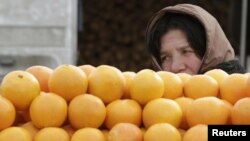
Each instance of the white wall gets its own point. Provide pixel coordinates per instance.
(37, 32)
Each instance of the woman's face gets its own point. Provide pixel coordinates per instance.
(177, 55)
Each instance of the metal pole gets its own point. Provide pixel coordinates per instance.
(243, 33)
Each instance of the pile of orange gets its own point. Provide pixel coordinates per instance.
(84, 103)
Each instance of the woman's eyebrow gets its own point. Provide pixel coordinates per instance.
(183, 47)
(178, 48)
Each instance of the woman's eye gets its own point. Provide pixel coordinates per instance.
(187, 51)
(165, 58)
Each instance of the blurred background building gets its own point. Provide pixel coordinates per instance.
(95, 32)
(37, 32)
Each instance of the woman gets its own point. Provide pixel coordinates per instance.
(186, 38)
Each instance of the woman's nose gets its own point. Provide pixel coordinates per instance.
(177, 65)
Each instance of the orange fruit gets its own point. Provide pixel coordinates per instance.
(131, 112)
(173, 84)
(68, 81)
(207, 110)
(125, 132)
(218, 74)
(129, 76)
(105, 133)
(86, 111)
(248, 85)
(247, 74)
(20, 87)
(88, 134)
(69, 129)
(22, 117)
(48, 110)
(162, 132)
(143, 130)
(15, 134)
(29, 126)
(107, 83)
(7, 113)
(182, 131)
(146, 86)
(52, 134)
(200, 86)
(233, 87)
(184, 77)
(230, 107)
(87, 68)
(241, 111)
(184, 102)
(162, 110)
(198, 132)
(42, 74)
